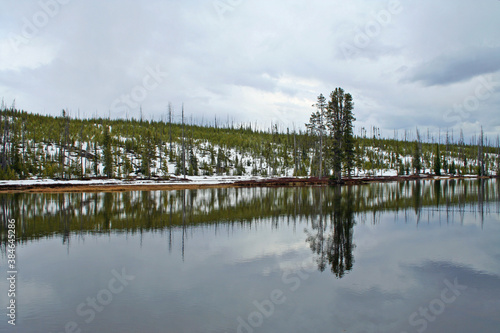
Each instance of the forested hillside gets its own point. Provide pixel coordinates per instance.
(39, 146)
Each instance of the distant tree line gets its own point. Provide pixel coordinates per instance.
(62, 147)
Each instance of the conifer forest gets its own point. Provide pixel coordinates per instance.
(34, 146)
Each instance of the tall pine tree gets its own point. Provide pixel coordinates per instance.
(340, 147)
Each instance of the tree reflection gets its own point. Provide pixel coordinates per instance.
(336, 249)
(329, 211)
(317, 240)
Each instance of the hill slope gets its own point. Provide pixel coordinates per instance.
(36, 146)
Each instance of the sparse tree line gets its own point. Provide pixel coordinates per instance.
(62, 147)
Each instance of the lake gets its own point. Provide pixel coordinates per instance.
(420, 256)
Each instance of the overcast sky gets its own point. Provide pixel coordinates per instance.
(431, 64)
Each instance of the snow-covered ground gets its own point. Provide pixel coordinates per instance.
(193, 180)
(189, 180)
(217, 164)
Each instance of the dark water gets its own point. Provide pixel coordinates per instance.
(396, 257)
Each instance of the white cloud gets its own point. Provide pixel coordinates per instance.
(31, 57)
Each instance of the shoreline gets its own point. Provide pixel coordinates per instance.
(116, 185)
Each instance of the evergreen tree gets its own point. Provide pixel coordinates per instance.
(437, 161)
(64, 143)
(81, 171)
(480, 155)
(317, 127)
(147, 154)
(127, 165)
(171, 149)
(340, 145)
(107, 153)
(193, 163)
(221, 162)
(183, 157)
(401, 167)
(335, 135)
(417, 161)
(164, 167)
(348, 140)
(178, 166)
(452, 170)
(96, 159)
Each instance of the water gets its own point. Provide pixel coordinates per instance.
(395, 257)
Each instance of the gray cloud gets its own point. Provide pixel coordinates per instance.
(453, 68)
(257, 60)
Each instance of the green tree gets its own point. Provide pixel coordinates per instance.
(317, 127)
(340, 146)
(164, 167)
(348, 140)
(96, 159)
(437, 161)
(417, 161)
(107, 153)
(147, 154)
(193, 163)
(127, 165)
(453, 169)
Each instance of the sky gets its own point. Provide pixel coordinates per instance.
(434, 65)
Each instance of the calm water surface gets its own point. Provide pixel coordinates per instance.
(396, 257)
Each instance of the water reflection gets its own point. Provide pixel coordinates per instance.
(331, 235)
(356, 259)
(330, 212)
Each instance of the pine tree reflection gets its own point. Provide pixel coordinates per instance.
(329, 211)
(336, 249)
